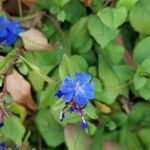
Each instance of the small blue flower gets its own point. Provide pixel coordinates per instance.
(81, 89)
(83, 124)
(59, 94)
(2, 145)
(9, 31)
(1, 124)
(3, 27)
(61, 116)
(77, 93)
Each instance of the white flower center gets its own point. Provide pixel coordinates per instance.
(78, 88)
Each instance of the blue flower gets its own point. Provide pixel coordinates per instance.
(83, 124)
(9, 31)
(81, 89)
(1, 124)
(3, 27)
(77, 93)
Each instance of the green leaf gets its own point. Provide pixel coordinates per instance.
(111, 125)
(145, 66)
(81, 62)
(48, 97)
(53, 6)
(79, 37)
(98, 139)
(139, 16)
(70, 117)
(111, 83)
(51, 132)
(140, 115)
(128, 4)
(76, 139)
(129, 140)
(5, 62)
(19, 110)
(74, 11)
(142, 50)
(62, 2)
(144, 91)
(139, 82)
(114, 53)
(100, 32)
(142, 80)
(36, 81)
(97, 87)
(92, 70)
(67, 67)
(96, 5)
(13, 129)
(90, 110)
(145, 136)
(133, 134)
(37, 70)
(124, 72)
(113, 17)
(1, 81)
(119, 118)
(90, 57)
(61, 16)
(22, 68)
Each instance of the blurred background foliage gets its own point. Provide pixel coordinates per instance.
(108, 39)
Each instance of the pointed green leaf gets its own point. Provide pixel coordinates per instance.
(100, 32)
(113, 17)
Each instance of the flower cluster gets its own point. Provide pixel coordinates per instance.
(9, 31)
(77, 93)
(4, 147)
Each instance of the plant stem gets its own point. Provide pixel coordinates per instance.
(20, 8)
(60, 31)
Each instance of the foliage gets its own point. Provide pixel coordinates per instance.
(108, 39)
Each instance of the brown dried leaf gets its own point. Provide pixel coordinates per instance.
(128, 58)
(124, 104)
(29, 3)
(12, 8)
(119, 39)
(87, 3)
(20, 90)
(34, 40)
(109, 145)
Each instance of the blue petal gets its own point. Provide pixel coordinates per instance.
(81, 99)
(72, 109)
(2, 39)
(82, 78)
(3, 32)
(68, 96)
(10, 39)
(83, 125)
(59, 94)
(88, 86)
(13, 27)
(3, 146)
(67, 85)
(89, 94)
(89, 90)
(3, 21)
